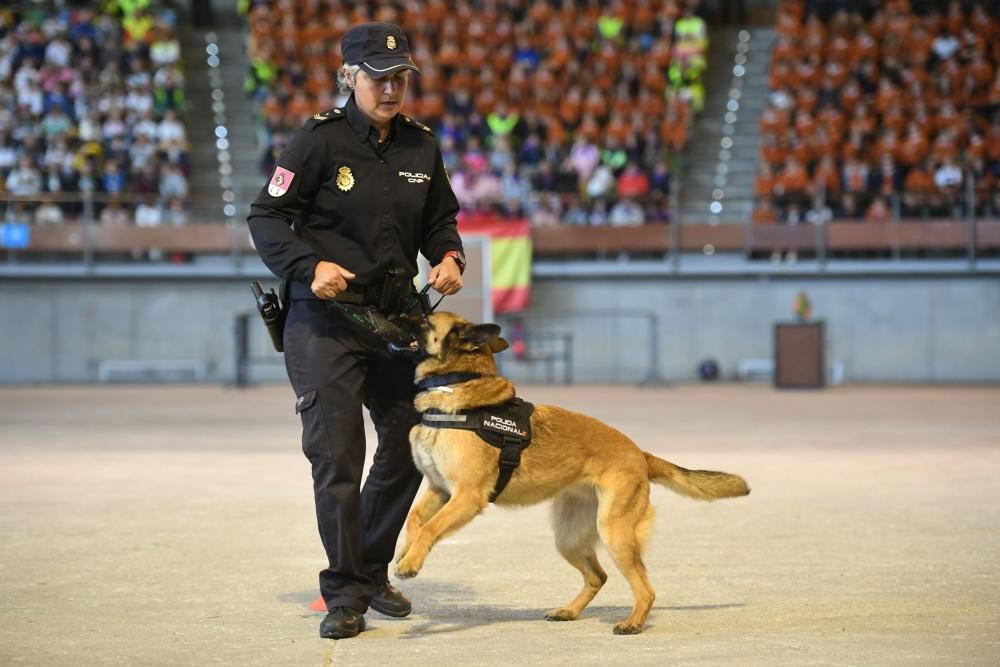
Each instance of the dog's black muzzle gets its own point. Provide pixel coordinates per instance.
(414, 327)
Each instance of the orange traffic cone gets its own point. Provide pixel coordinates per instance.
(319, 604)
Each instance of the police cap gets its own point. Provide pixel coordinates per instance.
(379, 48)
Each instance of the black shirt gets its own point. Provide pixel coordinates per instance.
(363, 205)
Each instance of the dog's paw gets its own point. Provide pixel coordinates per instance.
(560, 615)
(406, 569)
(625, 628)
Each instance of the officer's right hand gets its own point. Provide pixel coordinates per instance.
(329, 280)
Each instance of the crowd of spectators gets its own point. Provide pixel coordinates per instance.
(560, 111)
(880, 109)
(91, 108)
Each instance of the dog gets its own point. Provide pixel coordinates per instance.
(597, 478)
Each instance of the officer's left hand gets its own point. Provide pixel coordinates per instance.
(446, 277)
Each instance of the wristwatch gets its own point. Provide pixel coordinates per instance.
(459, 258)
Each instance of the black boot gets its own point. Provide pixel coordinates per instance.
(341, 623)
(386, 599)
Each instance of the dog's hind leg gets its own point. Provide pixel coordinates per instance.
(423, 510)
(625, 518)
(463, 506)
(574, 520)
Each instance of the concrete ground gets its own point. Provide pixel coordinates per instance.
(174, 526)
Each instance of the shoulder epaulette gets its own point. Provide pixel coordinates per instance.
(415, 123)
(320, 118)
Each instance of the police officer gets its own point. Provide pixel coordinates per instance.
(356, 194)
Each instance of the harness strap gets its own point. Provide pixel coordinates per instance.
(510, 459)
(510, 442)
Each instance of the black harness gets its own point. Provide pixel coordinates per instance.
(506, 426)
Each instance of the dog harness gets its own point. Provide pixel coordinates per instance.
(506, 426)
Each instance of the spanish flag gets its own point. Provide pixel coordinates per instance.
(510, 257)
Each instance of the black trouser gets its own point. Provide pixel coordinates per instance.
(335, 367)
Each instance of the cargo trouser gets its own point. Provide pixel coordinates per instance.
(335, 368)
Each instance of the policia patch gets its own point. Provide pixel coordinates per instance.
(506, 426)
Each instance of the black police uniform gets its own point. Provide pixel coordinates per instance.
(369, 207)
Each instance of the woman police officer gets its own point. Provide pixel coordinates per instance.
(366, 189)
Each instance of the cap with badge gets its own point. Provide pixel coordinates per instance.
(379, 48)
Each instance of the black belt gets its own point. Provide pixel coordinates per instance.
(358, 295)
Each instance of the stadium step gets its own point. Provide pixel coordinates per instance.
(242, 123)
(205, 199)
(702, 173)
(206, 184)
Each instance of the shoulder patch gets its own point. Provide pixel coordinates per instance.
(322, 117)
(415, 123)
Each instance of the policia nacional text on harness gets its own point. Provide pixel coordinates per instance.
(506, 426)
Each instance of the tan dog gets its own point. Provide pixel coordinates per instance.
(597, 478)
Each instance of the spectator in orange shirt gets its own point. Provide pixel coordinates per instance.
(299, 108)
(855, 177)
(793, 182)
(773, 121)
(763, 212)
(887, 144)
(945, 146)
(805, 124)
(772, 150)
(786, 50)
(917, 187)
(826, 177)
(650, 105)
(595, 104)
(798, 149)
(886, 179)
(878, 211)
(782, 77)
(764, 183)
(806, 99)
(833, 120)
(862, 121)
(864, 48)
(993, 139)
(617, 129)
(850, 95)
(815, 35)
(913, 148)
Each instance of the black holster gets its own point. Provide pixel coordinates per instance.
(270, 308)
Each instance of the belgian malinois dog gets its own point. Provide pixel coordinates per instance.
(597, 478)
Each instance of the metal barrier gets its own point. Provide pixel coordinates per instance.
(552, 321)
(540, 348)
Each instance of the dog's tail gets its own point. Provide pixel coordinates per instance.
(697, 484)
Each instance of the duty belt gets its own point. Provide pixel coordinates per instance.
(506, 426)
(356, 295)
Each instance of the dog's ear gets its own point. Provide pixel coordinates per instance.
(498, 344)
(476, 336)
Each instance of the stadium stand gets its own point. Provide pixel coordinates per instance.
(561, 112)
(92, 112)
(525, 97)
(881, 110)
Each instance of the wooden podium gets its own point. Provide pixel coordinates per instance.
(798, 355)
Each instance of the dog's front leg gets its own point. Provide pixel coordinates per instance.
(429, 504)
(460, 510)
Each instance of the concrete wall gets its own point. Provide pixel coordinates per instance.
(885, 329)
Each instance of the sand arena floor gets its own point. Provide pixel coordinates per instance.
(174, 526)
